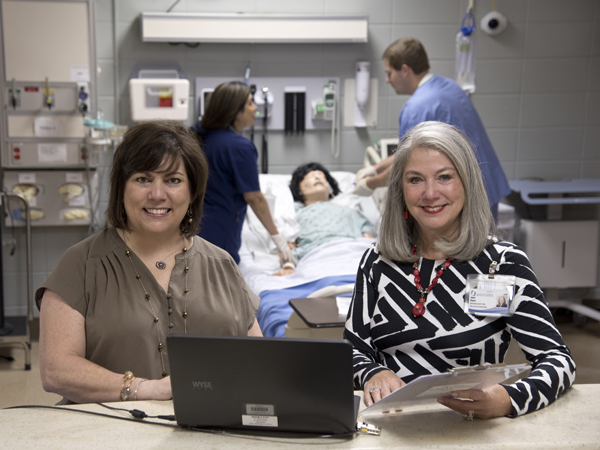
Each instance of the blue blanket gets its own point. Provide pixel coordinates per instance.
(275, 310)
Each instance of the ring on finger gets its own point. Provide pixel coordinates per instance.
(372, 388)
(470, 414)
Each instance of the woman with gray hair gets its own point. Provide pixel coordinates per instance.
(420, 306)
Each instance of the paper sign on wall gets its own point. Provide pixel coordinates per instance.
(80, 74)
(47, 127)
(74, 177)
(52, 153)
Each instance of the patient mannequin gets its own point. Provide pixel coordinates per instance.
(320, 220)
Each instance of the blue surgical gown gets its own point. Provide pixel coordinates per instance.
(442, 99)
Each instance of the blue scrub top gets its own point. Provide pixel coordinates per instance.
(232, 160)
(442, 99)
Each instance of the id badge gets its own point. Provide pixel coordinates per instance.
(490, 295)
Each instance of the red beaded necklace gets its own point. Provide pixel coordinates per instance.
(419, 309)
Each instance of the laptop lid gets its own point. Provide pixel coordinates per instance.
(250, 383)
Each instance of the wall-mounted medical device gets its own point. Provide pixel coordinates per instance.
(47, 86)
(295, 109)
(324, 108)
(158, 91)
(264, 94)
(280, 94)
(360, 98)
(494, 23)
(361, 92)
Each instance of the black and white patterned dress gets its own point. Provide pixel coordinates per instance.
(385, 334)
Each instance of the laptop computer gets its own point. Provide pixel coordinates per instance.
(251, 383)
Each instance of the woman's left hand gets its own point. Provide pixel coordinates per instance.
(485, 404)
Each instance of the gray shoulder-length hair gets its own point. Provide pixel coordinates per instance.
(398, 235)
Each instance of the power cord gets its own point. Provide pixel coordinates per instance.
(139, 417)
(138, 414)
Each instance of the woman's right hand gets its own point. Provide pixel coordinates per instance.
(285, 252)
(154, 389)
(381, 385)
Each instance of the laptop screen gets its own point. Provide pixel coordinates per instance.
(253, 383)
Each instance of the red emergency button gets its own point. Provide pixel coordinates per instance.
(16, 149)
(17, 157)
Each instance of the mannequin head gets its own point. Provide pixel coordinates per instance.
(313, 183)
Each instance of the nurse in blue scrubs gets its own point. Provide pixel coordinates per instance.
(233, 180)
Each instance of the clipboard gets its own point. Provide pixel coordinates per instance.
(426, 389)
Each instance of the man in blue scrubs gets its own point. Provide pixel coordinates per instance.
(433, 97)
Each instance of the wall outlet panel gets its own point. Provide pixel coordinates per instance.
(314, 90)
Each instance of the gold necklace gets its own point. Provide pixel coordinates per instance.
(159, 263)
(170, 309)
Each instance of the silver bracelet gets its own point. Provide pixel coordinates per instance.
(136, 388)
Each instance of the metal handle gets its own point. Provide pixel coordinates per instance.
(29, 257)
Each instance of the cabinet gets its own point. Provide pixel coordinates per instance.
(563, 254)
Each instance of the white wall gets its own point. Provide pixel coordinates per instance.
(538, 84)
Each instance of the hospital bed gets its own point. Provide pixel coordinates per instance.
(331, 264)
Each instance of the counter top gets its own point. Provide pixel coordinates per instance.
(572, 421)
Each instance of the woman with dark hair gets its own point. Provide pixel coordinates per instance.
(320, 220)
(414, 309)
(233, 182)
(113, 298)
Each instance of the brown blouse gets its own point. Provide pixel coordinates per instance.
(96, 278)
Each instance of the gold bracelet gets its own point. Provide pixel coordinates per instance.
(126, 390)
(136, 388)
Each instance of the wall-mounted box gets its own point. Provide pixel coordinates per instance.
(158, 90)
(253, 28)
(147, 98)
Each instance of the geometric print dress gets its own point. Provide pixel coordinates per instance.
(385, 335)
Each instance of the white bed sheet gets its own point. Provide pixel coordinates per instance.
(335, 258)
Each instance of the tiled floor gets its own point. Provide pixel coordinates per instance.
(21, 387)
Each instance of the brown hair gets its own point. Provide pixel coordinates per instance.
(227, 100)
(145, 148)
(407, 51)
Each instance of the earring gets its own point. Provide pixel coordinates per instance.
(190, 214)
(406, 214)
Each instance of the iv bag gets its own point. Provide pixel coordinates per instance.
(464, 71)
